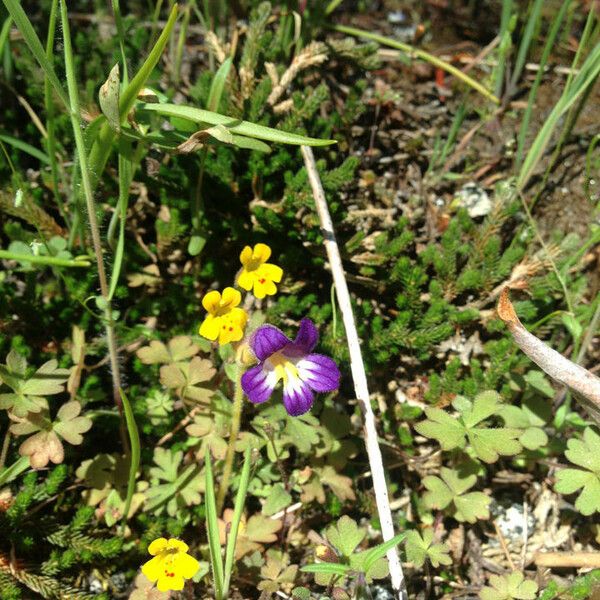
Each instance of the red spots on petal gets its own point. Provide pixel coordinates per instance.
(262, 280)
(231, 329)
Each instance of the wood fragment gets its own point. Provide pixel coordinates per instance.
(578, 560)
(554, 364)
(358, 372)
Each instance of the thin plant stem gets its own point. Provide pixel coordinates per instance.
(421, 54)
(51, 261)
(540, 239)
(92, 218)
(359, 376)
(50, 111)
(236, 417)
(4, 451)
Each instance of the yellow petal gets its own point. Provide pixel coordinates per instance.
(232, 333)
(246, 255)
(272, 272)
(178, 545)
(264, 287)
(261, 253)
(185, 565)
(239, 316)
(210, 328)
(231, 297)
(153, 568)
(164, 584)
(211, 301)
(158, 545)
(246, 279)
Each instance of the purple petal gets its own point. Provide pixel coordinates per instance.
(307, 337)
(297, 397)
(320, 372)
(256, 385)
(266, 340)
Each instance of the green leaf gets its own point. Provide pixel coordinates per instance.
(277, 500)
(488, 443)
(326, 568)
(538, 380)
(245, 128)
(584, 453)
(171, 487)
(134, 463)
(69, 425)
(449, 492)
(447, 430)
(108, 96)
(509, 587)
(46, 381)
(419, 549)
(345, 535)
(178, 349)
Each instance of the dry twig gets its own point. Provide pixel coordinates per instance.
(553, 363)
(358, 371)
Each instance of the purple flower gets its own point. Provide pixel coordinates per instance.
(302, 371)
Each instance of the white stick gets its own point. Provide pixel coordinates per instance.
(358, 372)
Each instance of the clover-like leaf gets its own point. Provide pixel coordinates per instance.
(70, 425)
(160, 406)
(509, 587)
(449, 492)
(583, 453)
(530, 418)
(106, 477)
(212, 429)
(171, 486)
(252, 534)
(345, 535)
(421, 548)
(319, 476)
(185, 377)
(179, 349)
(45, 445)
(28, 392)
(488, 443)
(277, 573)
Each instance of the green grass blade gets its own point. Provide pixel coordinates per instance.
(373, 555)
(33, 42)
(212, 529)
(238, 509)
(504, 47)
(25, 147)
(245, 128)
(586, 77)
(121, 33)
(326, 568)
(50, 114)
(125, 177)
(557, 22)
(102, 145)
(532, 22)
(217, 86)
(4, 34)
(51, 261)
(421, 54)
(134, 439)
(10, 473)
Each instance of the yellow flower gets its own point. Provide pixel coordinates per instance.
(224, 320)
(171, 564)
(257, 273)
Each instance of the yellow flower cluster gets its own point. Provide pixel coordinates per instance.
(171, 564)
(225, 321)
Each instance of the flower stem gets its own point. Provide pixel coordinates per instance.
(236, 417)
